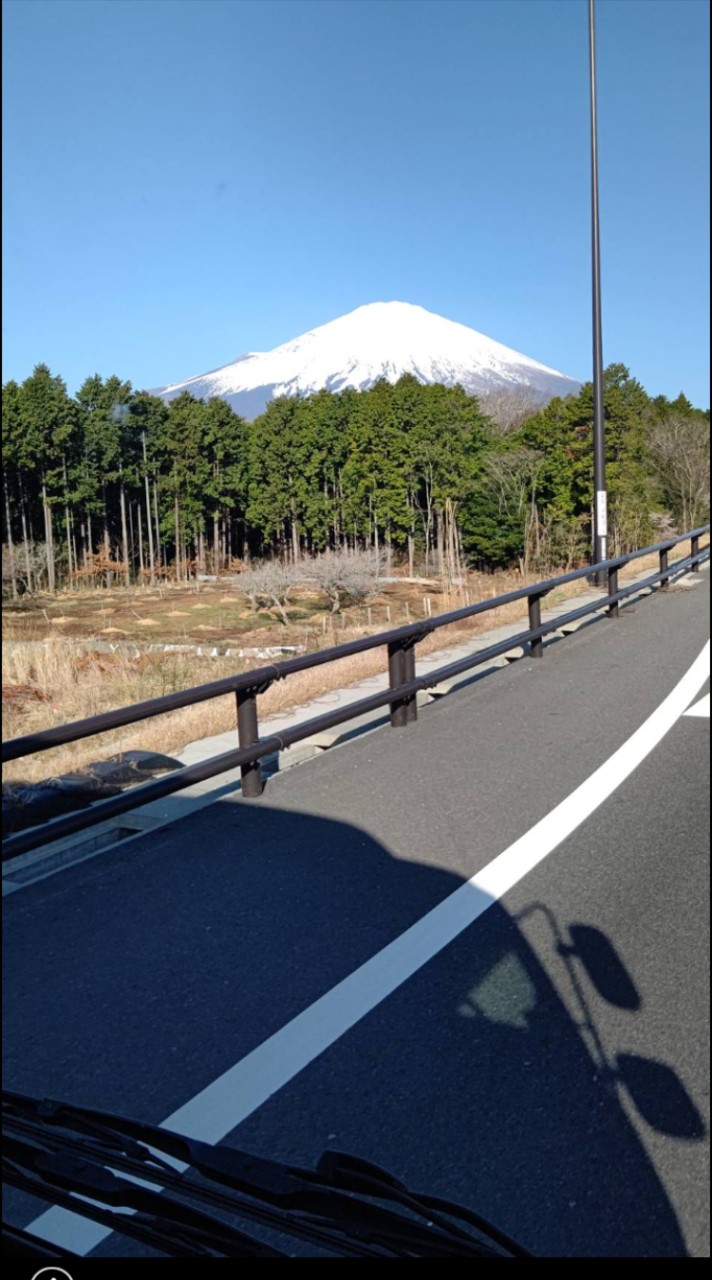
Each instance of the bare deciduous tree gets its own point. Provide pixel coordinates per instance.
(514, 477)
(28, 567)
(680, 445)
(346, 575)
(553, 544)
(509, 408)
(269, 582)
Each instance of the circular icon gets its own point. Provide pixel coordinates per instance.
(51, 1273)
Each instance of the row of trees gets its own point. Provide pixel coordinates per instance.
(114, 483)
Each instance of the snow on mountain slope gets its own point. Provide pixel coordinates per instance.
(381, 340)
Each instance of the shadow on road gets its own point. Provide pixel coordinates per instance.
(134, 980)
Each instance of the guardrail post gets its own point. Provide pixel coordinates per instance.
(536, 646)
(695, 551)
(663, 565)
(248, 734)
(396, 677)
(613, 609)
(411, 703)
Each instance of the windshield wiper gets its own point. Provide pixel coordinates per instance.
(184, 1197)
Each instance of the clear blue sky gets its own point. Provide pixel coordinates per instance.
(185, 181)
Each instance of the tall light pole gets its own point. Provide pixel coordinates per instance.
(600, 504)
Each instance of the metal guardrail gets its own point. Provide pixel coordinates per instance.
(400, 696)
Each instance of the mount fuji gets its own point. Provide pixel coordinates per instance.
(380, 340)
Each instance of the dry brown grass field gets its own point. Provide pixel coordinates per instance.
(50, 678)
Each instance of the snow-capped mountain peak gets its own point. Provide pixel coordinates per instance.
(380, 340)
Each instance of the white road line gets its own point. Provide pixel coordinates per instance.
(701, 708)
(230, 1099)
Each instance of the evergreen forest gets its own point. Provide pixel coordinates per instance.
(114, 485)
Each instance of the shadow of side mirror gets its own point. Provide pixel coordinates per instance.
(660, 1097)
(603, 966)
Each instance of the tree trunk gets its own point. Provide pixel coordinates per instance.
(124, 536)
(67, 521)
(49, 540)
(73, 528)
(142, 576)
(439, 541)
(450, 540)
(280, 610)
(149, 530)
(176, 522)
(216, 543)
(411, 536)
(10, 543)
(158, 527)
(26, 543)
(132, 539)
(428, 529)
(339, 537)
(201, 550)
(107, 541)
(68, 532)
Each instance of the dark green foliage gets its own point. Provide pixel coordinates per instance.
(114, 481)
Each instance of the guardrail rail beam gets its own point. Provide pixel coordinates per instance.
(400, 695)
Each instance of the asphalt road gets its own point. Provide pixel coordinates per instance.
(548, 1066)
